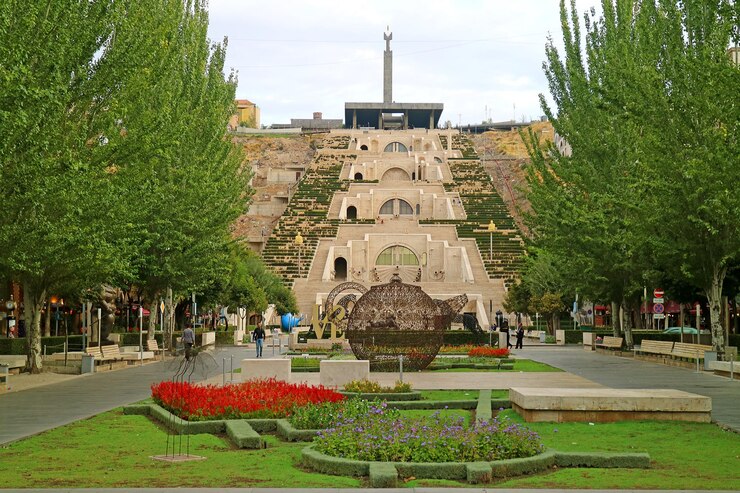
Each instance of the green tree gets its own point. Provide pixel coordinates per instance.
(112, 148)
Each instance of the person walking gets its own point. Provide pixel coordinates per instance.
(259, 338)
(519, 336)
(188, 340)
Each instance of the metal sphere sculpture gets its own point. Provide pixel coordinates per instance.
(397, 319)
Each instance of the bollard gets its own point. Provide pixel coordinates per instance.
(232, 369)
(732, 369)
(223, 371)
(400, 367)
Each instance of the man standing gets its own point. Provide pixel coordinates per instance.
(519, 336)
(259, 338)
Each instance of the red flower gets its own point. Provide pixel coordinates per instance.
(489, 352)
(251, 399)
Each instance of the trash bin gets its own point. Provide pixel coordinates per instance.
(543, 335)
(88, 364)
(709, 356)
(4, 375)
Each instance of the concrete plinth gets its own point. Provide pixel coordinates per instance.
(337, 373)
(609, 405)
(279, 369)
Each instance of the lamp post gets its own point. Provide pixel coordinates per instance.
(491, 229)
(299, 243)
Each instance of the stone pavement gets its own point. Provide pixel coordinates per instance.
(34, 410)
(628, 373)
(343, 490)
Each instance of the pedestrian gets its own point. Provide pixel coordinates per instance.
(188, 340)
(519, 336)
(259, 338)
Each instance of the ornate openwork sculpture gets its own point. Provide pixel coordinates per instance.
(398, 319)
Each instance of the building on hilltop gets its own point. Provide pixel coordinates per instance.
(390, 115)
(247, 115)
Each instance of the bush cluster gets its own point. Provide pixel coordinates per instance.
(366, 386)
(325, 414)
(384, 434)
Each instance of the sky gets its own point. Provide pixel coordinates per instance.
(481, 58)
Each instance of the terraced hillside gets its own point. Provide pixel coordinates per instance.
(483, 204)
(306, 214)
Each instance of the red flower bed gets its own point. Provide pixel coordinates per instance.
(489, 352)
(251, 399)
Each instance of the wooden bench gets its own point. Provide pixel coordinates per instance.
(663, 348)
(610, 342)
(112, 352)
(95, 352)
(685, 350)
(153, 346)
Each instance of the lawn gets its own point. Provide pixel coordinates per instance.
(525, 365)
(112, 450)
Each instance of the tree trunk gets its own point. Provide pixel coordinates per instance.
(33, 302)
(714, 297)
(626, 324)
(47, 318)
(170, 322)
(153, 313)
(615, 319)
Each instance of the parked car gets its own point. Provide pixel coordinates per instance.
(686, 330)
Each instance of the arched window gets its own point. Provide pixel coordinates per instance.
(437, 159)
(363, 147)
(340, 269)
(395, 147)
(358, 176)
(396, 174)
(352, 212)
(404, 208)
(397, 255)
(387, 207)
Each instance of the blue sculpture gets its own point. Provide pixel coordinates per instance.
(289, 321)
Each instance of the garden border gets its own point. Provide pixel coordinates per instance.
(414, 395)
(474, 472)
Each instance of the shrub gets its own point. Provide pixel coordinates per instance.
(385, 435)
(326, 414)
(366, 386)
(488, 352)
(250, 399)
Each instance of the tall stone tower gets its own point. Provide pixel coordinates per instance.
(388, 67)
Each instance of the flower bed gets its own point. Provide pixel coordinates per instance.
(488, 352)
(461, 349)
(384, 435)
(251, 399)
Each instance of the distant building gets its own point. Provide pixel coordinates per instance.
(316, 123)
(247, 115)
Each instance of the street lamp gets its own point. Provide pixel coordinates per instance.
(491, 229)
(299, 243)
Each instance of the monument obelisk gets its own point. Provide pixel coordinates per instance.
(388, 67)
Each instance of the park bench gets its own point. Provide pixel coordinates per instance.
(95, 352)
(662, 348)
(610, 342)
(153, 346)
(685, 350)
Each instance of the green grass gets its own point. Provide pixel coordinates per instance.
(445, 413)
(112, 450)
(449, 395)
(684, 456)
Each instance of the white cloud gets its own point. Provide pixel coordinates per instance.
(295, 57)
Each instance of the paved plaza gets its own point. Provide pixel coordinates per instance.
(31, 411)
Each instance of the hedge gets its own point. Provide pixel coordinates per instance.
(459, 404)
(287, 432)
(242, 434)
(54, 344)
(462, 337)
(414, 395)
(472, 471)
(383, 475)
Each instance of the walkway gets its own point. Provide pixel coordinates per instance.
(34, 410)
(627, 373)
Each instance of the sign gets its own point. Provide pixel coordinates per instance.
(658, 300)
(658, 293)
(161, 306)
(658, 316)
(658, 308)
